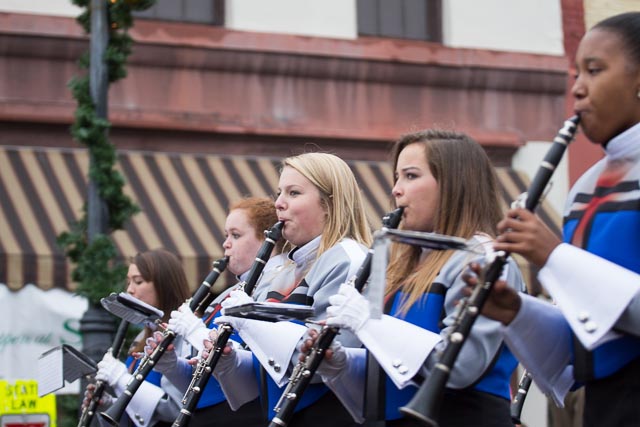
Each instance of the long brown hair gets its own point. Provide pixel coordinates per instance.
(467, 204)
(164, 270)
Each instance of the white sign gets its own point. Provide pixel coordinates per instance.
(33, 321)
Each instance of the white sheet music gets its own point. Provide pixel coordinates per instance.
(50, 371)
(136, 302)
(131, 309)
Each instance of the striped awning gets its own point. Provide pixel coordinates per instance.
(183, 197)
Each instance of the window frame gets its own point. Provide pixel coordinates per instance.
(432, 21)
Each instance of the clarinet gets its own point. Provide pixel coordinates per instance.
(304, 371)
(205, 367)
(518, 400)
(205, 293)
(116, 348)
(425, 404)
(115, 411)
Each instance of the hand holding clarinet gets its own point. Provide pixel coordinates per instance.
(157, 346)
(95, 395)
(521, 232)
(313, 354)
(350, 310)
(207, 364)
(503, 302)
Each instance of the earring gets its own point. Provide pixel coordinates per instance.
(638, 94)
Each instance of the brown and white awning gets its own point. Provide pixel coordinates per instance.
(183, 198)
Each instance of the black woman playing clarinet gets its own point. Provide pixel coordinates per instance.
(591, 337)
(446, 184)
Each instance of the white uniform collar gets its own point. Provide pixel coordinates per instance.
(625, 145)
(303, 253)
(242, 277)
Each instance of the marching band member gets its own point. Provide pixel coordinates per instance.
(157, 278)
(592, 276)
(320, 204)
(244, 231)
(446, 184)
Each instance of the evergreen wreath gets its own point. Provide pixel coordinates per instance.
(96, 270)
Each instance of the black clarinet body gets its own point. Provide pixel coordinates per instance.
(518, 400)
(88, 412)
(114, 413)
(205, 294)
(425, 404)
(304, 371)
(205, 367)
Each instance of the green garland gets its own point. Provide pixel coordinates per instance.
(96, 272)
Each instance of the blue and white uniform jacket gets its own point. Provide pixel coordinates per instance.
(182, 374)
(594, 286)
(407, 345)
(303, 279)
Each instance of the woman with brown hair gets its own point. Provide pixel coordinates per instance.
(157, 278)
(447, 185)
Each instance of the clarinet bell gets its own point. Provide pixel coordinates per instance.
(113, 414)
(417, 410)
(424, 406)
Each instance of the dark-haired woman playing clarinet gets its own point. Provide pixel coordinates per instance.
(446, 184)
(157, 278)
(592, 276)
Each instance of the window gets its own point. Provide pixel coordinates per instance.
(406, 19)
(197, 11)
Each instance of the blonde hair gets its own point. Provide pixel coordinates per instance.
(467, 204)
(339, 195)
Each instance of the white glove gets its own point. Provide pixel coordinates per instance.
(236, 323)
(183, 322)
(168, 360)
(348, 309)
(111, 370)
(237, 297)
